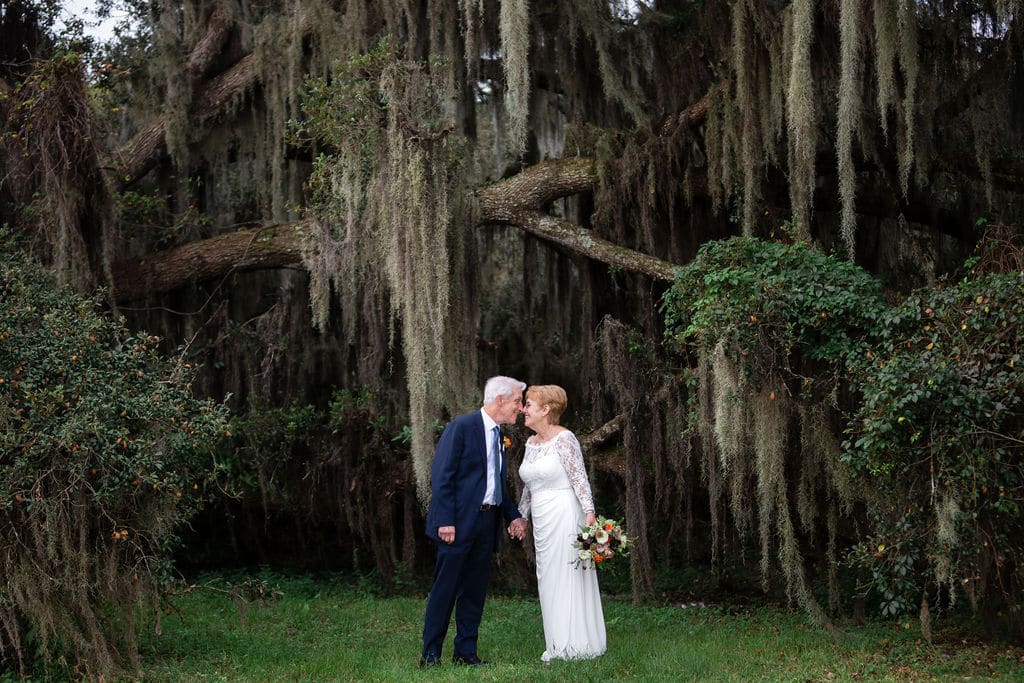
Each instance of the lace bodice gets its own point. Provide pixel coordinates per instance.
(555, 464)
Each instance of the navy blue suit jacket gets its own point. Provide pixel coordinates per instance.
(459, 478)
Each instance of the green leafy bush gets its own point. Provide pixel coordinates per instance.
(926, 396)
(939, 432)
(767, 300)
(772, 326)
(103, 452)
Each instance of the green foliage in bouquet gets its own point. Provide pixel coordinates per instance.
(103, 452)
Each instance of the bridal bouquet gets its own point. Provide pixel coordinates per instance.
(599, 543)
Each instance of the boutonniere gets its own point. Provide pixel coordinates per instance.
(506, 442)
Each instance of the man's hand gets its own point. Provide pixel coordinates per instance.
(517, 529)
(446, 534)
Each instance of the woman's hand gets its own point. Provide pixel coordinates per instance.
(591, 519)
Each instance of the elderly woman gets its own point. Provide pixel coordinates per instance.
(557, 496)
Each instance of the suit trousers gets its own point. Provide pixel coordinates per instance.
(460, 583)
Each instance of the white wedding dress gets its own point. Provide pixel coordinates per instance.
(555, 495)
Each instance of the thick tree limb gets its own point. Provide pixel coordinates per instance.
(208, 48)
(534, 188)
(136, 157)
(580, 241)
(518, 201)
(609, 429)
(693, 115)
(141, 153)
(278, 246)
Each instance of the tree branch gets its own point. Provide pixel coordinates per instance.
(140, 154)
(535, 187)
(582, 242)
(588, 442)
(615, 462)
(277, 246)
(694, 115)
(208, 48)
(518, 201)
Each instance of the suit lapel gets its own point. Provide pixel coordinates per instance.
(481, 440)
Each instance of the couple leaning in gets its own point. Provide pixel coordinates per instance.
(470, 508)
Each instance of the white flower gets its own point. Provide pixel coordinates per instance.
(584, 555)
(601, 536)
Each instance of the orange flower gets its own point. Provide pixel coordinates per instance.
(608, 526)
(598, 559)
(507, 441)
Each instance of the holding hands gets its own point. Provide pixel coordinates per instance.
(517, 529)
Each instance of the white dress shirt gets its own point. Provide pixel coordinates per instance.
(492, 453)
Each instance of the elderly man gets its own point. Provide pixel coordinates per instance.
(468, 501)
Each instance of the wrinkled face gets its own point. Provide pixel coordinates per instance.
(506, 410)
(534, 414)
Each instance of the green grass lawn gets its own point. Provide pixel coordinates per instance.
(320, 632)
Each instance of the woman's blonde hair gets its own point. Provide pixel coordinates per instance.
(550, 395)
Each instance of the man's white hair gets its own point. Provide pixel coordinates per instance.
(501, 386)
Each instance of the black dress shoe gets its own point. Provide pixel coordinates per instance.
(429, 661)
(469, 660)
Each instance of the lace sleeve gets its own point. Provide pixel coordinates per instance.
(569, 452)
(524, 501)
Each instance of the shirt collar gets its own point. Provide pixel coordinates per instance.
(489, 423)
